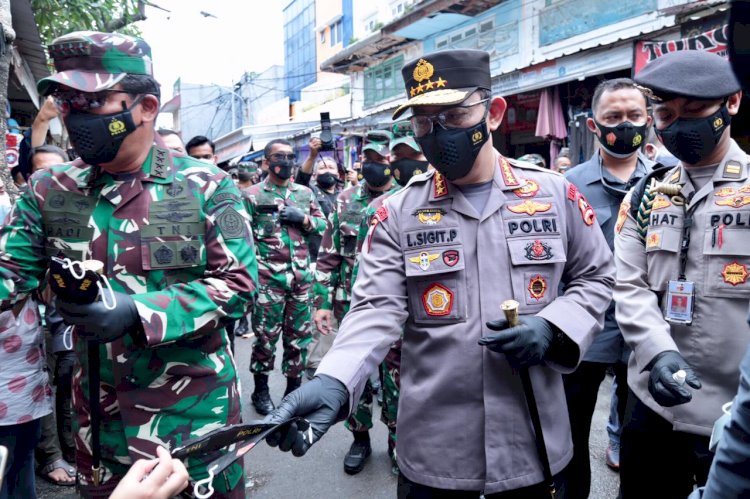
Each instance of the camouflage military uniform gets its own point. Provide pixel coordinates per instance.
(175, 236)
(333, 275)
(283, 306)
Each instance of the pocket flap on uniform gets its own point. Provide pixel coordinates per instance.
(663, 239)
(536, 251)
(158, 254)
(726, 242)
(430, 261)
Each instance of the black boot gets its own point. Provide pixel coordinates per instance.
(261, 398)
(292, 384)
(355, 459)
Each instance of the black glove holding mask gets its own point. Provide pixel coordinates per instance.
(322, 402)
(666, 390)
(96, 322)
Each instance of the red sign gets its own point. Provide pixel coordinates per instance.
(715, 40)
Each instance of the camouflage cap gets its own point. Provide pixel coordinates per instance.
(90, 61)
(377, 141)
(403, 134)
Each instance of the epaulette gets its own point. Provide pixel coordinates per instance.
(422, 177)
(531, 166)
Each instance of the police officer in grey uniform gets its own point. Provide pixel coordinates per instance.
(682, 251)
(441, 256)
(621, 124)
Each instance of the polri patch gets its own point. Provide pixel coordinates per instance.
(538, 250)
(530, 207)
(735, 273)
(381, 215)
(231, 224)
(437, 300)
(429, 216)
(537, 287)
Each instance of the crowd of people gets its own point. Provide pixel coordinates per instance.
(136, 264)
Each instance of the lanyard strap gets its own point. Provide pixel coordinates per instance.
(687, 224)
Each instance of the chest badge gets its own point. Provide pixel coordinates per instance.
(537, 287)
(437, 300)
(530, 207)
(538, 251)
(735, 202)
(660, 203)
(735, 273)
(429, 216)
(450, 257)
(527, 190)
(424, 259)
(727, 191)
(653, 240)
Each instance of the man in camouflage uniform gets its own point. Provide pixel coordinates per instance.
(173, 236)
(283, 216)
(333, 275)
(407, 161)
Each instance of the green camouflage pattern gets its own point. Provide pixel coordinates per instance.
(339, 250)
(284, 304)
(175, 236)
(361, 418)
(91, 61)
(390, 376)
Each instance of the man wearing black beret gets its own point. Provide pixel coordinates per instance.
(682, 251)
(441, 256)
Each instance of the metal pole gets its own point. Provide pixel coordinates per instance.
(234, 124)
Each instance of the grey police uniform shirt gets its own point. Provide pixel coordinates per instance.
(431, 267)
(609, 346)
(717, 262)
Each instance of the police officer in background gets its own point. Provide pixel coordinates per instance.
(621, 124)
(441, 256)
(682, 256)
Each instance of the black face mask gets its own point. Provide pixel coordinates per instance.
(376, 174)
(327, 180)
(453, 151)
(691, 140)
(97, 137)
(282, 169)
(622, 140)
(407, 168)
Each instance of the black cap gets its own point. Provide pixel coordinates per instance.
(695, 74)
(444, 78)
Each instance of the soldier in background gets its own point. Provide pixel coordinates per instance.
(177, 251)
(682, 254)
(283, 216)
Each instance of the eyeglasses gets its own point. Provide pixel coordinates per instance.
(454, 117)
(278, 156)
(65, 100)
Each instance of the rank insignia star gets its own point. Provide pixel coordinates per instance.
(424, 259)
(530, 207)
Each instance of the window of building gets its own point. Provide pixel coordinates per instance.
(337, 32)
(384, 81)
(323, 36)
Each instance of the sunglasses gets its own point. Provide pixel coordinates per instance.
(67, 100)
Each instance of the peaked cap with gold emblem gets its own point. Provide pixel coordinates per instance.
(444, 78)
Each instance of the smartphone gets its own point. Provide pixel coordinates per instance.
(3, 463)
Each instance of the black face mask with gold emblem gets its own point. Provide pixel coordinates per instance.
(97, 137)
(452, 151)
(691, 140)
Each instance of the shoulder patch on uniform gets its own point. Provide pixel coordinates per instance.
(572, 192)
(622, 215)
(231, 224)
(732, 170)
(509, 178)
(223, 196)
(440, 186)
(381, 215)
(160, 162)
(587, 212)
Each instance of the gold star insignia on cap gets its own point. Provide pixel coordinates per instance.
(441, 82)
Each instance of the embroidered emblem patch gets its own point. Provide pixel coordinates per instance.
(587, 212)
(735, 273)
(653, 240)
(57, 201)
(530, 207)
(424, 259)
(163, 255)
(538, 250)
(437, 300)
(174, 190)
(622, 215)
(440, 187)
(508, 176)
(735, 202)
(429, 216)
(189, 254)
(660, 203)
(528, 190)
(745, 189)
(381, 215)
(572, 192)
(450, 257)
(231, 223)
(727, 191)
(537, 287)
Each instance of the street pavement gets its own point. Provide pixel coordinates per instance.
(320, 473)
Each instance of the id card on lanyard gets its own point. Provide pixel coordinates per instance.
(679, 301)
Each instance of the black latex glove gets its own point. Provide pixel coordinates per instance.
(524, 344)
(661, 384)
(95, 322)
(318, 401)
(291, 215)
